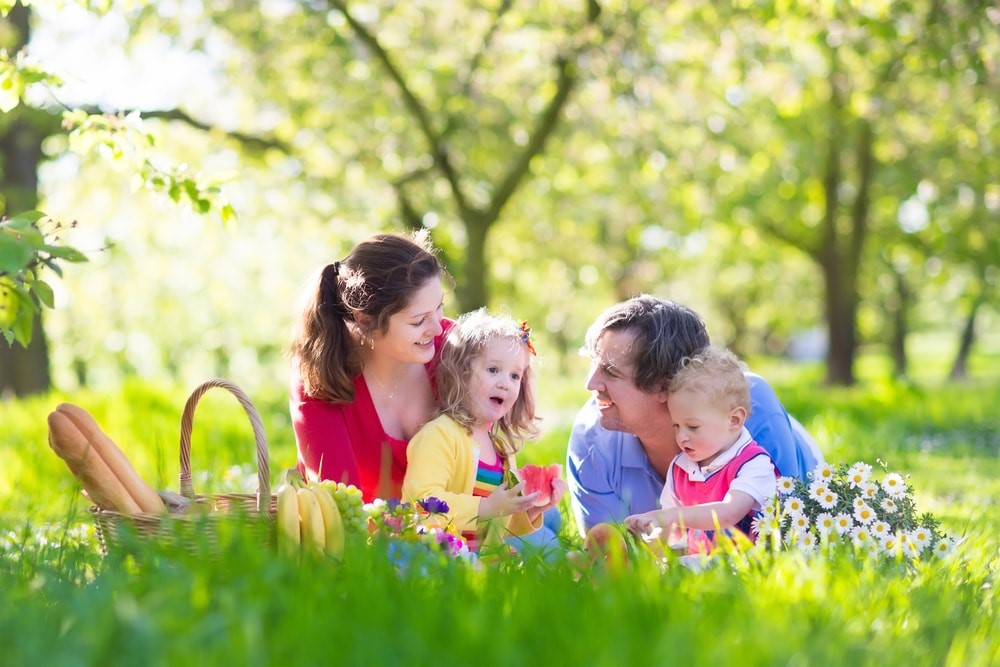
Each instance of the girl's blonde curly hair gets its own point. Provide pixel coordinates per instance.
(465, 341)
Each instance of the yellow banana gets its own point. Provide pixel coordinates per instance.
(332, 522)
(311, 521)
(288, 520)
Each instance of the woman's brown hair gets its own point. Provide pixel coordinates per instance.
(360, 292)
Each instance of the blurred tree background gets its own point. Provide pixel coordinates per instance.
(784, 168)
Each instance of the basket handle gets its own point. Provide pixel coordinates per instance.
(187, 424)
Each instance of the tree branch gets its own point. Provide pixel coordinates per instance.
(248, 140)
(419, 111)
(547, 123)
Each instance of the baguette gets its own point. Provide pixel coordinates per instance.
(100, 483)
(143, 494)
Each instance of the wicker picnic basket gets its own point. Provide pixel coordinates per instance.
(198, 521)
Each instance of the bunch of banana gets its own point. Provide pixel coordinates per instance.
(308, 519)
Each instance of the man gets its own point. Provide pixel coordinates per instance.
(623, 439)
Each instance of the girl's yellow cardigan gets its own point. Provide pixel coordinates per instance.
(441, 461)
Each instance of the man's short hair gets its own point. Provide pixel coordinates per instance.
(664, 333)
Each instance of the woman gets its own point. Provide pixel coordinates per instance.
(363, 358)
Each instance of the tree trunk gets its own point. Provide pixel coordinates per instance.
(473, 293)
(959, 369)
(840, 310)
(25, 371)
(901, 327)
(22, 371)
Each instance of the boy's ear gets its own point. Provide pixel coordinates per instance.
(737, 417)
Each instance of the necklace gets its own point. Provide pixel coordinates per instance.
(391, 394)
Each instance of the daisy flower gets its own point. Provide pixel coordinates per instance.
(871, 548)
(889, 505)
(880, 529)
(861, 537)
(858, 474)
(828, 500)
(786, 485)
(858, 502)
(808, 542)
(822, 472)
(910, 549)
(890, 544)
(943, 547)
(817, 489)
(794, 506)
(843, 523)
(868, 490)
(825, 523)
(894, 484)
(800, 522)
(920, 536)
(864, 513)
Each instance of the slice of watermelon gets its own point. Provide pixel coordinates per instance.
(539, 478)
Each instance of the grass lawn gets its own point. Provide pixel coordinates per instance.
(62, 603)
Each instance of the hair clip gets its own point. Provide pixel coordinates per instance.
(526, 337)
(336, 268)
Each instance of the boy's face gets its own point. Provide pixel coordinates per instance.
(703, 431)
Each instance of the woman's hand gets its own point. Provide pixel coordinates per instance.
(506, 501)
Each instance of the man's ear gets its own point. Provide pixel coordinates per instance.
(737, 417)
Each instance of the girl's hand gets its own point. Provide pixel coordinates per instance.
(559, 488)
(505, 501)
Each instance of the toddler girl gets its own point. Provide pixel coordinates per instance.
(465, 454)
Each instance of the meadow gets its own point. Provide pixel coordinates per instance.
(63, 603)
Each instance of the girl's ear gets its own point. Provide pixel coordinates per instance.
(737, 417)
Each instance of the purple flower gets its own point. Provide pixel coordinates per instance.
(434, 505)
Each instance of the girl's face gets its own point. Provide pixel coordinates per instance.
(703, 431)
(409, 337)
(495, 379)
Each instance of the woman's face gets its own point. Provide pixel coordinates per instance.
(410, 335)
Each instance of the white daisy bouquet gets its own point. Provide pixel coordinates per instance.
(849, 504)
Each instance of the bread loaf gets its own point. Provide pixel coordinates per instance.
(103, 487)
(142, 493)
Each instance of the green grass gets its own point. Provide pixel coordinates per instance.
(61, 603)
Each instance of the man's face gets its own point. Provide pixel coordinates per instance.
(622, 406)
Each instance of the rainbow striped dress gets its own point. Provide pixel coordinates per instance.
(488, 478)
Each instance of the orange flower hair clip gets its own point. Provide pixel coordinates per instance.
(526, 337)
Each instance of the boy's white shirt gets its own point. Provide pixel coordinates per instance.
(756, 478)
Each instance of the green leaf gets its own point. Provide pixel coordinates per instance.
(9, 305)
(228, 213)
(25, 219)
(22, 328)
(66, 252)
(15, 254)
(43, 291)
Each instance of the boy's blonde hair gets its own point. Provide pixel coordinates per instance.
(464, 342)
(716, 373)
